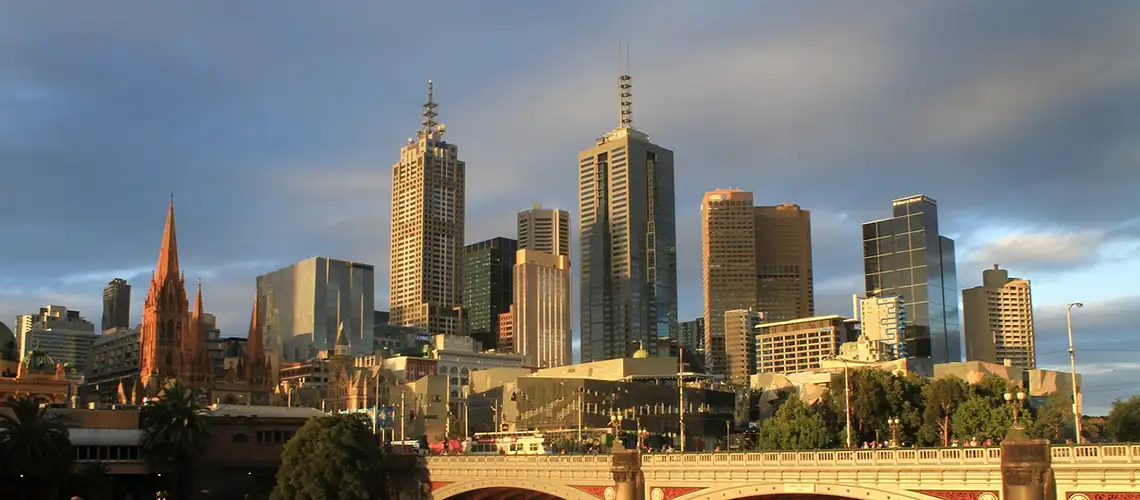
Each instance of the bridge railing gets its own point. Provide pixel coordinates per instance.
(1062, 454)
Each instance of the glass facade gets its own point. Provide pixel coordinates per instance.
(904, 256)
(488, 290)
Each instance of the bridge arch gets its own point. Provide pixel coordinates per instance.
(789, 491)
(458, 489)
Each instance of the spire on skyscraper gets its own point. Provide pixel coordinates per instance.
(625, 92)
(429, 126)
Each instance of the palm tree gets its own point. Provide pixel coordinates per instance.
(175, 433)
(34, 451)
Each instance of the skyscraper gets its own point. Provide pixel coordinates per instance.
(786, 287)
(545, 230)
(627, 241)
(728, 258)
(487, 288)
(116, 304)
(754, 258)
(998, 320)
(542, 322)
(740, 343)
(905, 256)
(426, 264)
(306, 303)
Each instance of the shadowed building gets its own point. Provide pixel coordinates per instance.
(905, 256)
(785, 284)
(487, 288)
(627, 242)
(116, 304)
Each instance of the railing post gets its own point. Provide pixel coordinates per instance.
(1026, 468)
(629, 483)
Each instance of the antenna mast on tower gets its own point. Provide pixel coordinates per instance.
(625, 92)
(429, 125)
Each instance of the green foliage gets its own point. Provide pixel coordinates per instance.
(942, 397)
(795, 426)
(92, 483)
(1051, 420)
(175, 433)
(331, 458)
(33, 446)
(979, 418)
(1124, 421)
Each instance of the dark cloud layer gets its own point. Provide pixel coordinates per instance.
(275, 123)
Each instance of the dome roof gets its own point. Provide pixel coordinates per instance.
(5, 332)
(39, 362)
(641, 353)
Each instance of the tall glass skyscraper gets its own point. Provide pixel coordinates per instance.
(627, 240)
(904, 256)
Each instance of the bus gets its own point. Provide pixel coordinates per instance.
(509, 443)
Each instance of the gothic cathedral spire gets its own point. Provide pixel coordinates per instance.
(166, 314)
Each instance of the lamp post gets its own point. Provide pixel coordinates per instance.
(615, 421)
(846, 398)
(894, 421)
(1016, 400)
(1073, 367)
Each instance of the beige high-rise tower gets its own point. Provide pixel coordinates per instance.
(783, 262)
(428, 185)
(728, 258)
(544, 230)
(756, 258)
(999, 320)
(542, 328)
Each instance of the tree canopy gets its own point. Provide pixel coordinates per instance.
(795, 426)
(331, 458)
(1124, 420)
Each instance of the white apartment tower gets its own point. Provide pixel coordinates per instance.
(428, 185)
(542, 316)
(883, 322)
(999, 320)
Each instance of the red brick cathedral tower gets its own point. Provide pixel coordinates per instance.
(166, 314)
(255, 368)
(197, 368)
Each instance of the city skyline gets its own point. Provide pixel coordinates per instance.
(271, 166)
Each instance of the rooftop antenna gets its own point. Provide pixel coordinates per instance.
(625, 91)
(429, 124)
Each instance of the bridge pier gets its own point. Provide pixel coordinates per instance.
(1026, 468)
(629, 482)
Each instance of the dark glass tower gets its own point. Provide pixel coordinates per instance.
(905, 256)
(116, 304)
(488, 291)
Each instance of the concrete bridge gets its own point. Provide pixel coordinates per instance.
(1087, 472)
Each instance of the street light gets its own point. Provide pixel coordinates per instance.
(615, 421)
(846, 398)
(1016, 400)
(1073, 367)
(894, 421)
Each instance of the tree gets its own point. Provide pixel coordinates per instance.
(942, 396)
(1050, 421)
(33, 447)
(331, 458)
(92, 483)
(978, 417)
(795, 426)
(175, 433)
(1124, 421)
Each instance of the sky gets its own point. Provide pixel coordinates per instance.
(276, 124)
